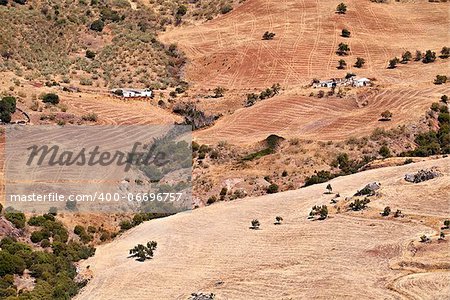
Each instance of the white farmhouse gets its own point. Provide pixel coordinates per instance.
(361, 82)
(132, 93)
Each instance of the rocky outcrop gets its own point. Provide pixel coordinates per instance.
(422, 175)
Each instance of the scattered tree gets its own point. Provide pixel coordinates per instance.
(4, 2)
(7, 108)
(341, 64)
(429, 57)
(141, 252)
(445, 52)
(255, 224)
(386, 211)
(440, 79)
(442, 236)
(447, 223)
(386, 115)
(418, 56)
(218, 92)
(341, 8)
(320, 210)
(360, 62)
(343, 49)
(329, 189)
(444, 99)
(398, 213)
(393, 63)
(278, 220)
(345, 33)
(407, 56)
(268, 35)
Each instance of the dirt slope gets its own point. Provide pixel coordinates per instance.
(350, 255)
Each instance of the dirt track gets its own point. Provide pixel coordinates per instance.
(350, 255)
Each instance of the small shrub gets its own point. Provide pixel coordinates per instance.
(424, 239)
(386, 212)
(78, 230)
(211, 200)
(71, 205)
(18, 219)
(91, 117)
(218, 92)
(384, 151)
(125, 225)
(272, 189)
(320, 210)
(226, 9)
(50, 98)
(359, 204)
(90, 54)
(268, 35)
(97, 25)
(447, 223)
(278, 220)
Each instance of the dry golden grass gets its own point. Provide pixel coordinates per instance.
(350, 255)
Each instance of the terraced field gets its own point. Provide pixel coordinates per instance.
(229, 51)
(351, 255)
(321, 119)
(114, 111)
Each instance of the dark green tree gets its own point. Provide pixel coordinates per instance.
(360, 62)
(341, 64)
(429, 57)
(345, 33)
(341, 8)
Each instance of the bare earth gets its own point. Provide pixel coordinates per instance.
(357, 255)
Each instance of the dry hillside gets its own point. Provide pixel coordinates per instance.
(230, 52)
(349, 255)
